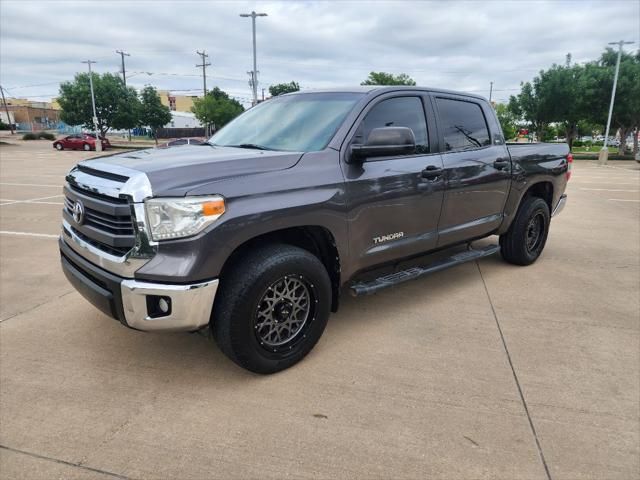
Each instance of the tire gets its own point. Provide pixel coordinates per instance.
(254, 296)
(524, 241)
(86, 147)
(59, 147)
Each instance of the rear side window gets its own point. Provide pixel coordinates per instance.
(397, 112)
(463, 124)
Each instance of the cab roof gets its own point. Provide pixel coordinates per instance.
(380, 89)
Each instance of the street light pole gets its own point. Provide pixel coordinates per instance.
(6, 109)
(254, 77)
(93, 103)
(123, 54)
(604, 153)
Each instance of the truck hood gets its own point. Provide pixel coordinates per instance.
(177, 170)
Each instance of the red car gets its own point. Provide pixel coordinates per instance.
(82, 141)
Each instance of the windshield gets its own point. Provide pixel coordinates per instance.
(298, 123)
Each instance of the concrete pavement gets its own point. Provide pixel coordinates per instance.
(486, 370)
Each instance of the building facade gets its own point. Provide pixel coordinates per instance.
(176, 103)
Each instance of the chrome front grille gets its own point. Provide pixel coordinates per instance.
(112, 233)
(107, 223)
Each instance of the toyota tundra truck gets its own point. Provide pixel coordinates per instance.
(254, 235)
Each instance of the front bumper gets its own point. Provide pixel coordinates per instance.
(134, 303)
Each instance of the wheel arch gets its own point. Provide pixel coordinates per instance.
(315, 239)
(543, 188)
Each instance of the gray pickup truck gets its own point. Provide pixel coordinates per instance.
(256, 233)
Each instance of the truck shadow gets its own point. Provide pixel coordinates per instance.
(194, 360)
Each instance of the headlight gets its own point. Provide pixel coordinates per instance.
(182, 217)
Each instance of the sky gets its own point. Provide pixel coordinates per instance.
(460, 45)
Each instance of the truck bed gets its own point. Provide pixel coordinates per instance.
(526, 152)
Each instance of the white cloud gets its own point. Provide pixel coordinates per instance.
(458, 45)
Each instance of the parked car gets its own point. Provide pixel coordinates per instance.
(183, 141)
(85, 141)
(256, 234)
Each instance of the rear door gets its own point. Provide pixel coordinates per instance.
(393, 206)
(477, 169)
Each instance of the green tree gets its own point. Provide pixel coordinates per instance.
(560, 97)
(553, 97)
(282, 88)
(507, 120)
(384, 78)
(153, 113)
(526, 107)
(116, 105)
(216, 109)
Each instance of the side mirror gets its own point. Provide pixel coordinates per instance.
(384, 142)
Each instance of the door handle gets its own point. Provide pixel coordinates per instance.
(431, 172)
(501, 164)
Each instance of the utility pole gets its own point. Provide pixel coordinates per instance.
(490, 91)
(124, 75)
(253, 16)
(93, 103)
(124, 79)
(603, 157)
(204, 66)
(263, 94)
(4, 102)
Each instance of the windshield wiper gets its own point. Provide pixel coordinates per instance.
(253, 146)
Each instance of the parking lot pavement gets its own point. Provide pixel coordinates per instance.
(483, 371)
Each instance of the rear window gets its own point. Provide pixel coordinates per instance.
(463, 124)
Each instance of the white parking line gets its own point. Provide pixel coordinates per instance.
(29, 185)
(621, 200)
(31, 200)
(607, 190)
(605, 182)
(28, 234)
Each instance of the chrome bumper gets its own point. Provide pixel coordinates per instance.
(135, 303)
(561, 203)
(190, 305)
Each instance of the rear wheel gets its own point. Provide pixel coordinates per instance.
(272, 308)
(524, 241)
(86, 147)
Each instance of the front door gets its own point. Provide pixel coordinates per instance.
(394, 202)
(477, 170)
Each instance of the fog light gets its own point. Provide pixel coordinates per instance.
(163, 305)
(158, 306)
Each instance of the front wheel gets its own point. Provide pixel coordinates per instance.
(524, 241)
(86, 147)
(272, 308)
(59, 147)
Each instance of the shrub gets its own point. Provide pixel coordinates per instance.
(46, 136)
(29, 136)
(578, 143)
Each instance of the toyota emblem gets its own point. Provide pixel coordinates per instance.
(78, 212)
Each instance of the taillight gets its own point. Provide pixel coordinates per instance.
(569, 165)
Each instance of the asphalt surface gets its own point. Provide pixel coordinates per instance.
(486, 370)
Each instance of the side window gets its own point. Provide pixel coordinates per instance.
(463, 124)
(397, 112)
